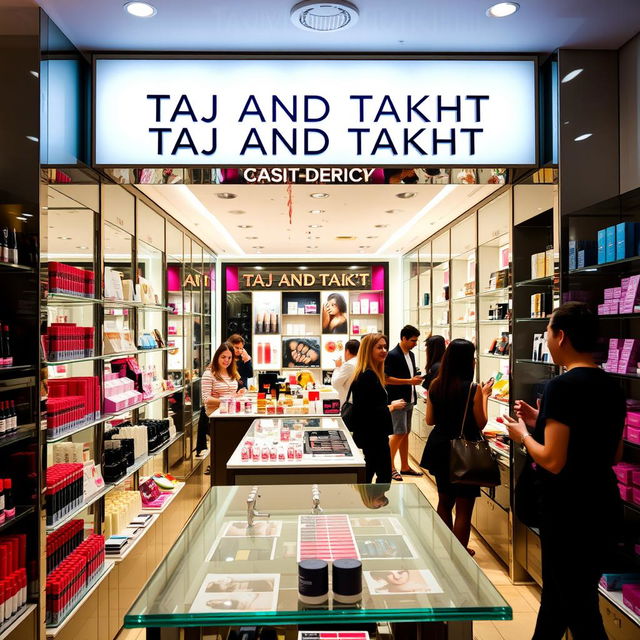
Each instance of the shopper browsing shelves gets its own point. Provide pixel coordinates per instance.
(435, 346)
(343, 373)
(574, 438)
(455, 403)
(401, 377)
(371, 417)
(219, 380)
(244, 366)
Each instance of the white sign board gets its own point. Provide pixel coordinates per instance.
(315, 112)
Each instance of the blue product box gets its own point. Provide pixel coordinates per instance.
(625, 240)
(573, 255)
(602, 246)
(611, 244)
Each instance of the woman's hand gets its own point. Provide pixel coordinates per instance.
(396, 405)
(527, 413)
(486, 387)
(212, 403)
(241, 391)
(516, 427)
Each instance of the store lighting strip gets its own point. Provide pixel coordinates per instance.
(414, 221)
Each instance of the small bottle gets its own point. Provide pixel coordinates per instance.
(3, 420)
(4, 245)
(6, 341)
(2, 516)
(2, 354)
(9, 508)
(14, 417)
(13, 247)
(244, 454)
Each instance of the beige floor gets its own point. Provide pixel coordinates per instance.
(524, 600)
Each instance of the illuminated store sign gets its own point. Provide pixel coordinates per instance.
(315, 112)
(328, 279)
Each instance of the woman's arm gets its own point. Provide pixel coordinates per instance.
(552, 455)
(480, 402)
(430, 416)
(326, 318)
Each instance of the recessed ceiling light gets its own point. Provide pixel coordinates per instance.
(258, 267)
(32, 138)
(395, 210)
(354, 266)
(21, 218)
(303, 267)
(258, 246)
(312, 246)
(324, 17)
(28, 215)
(225, 195)
(140, 9)
(237, 212)
(316, 211)
(64, 237)
(245, 226)
(81, 247)
(251, 237)
(405, 195)
(364, 246)
(572, 74)
(371, 237)
(319, 195)
(35, 74)
(502, 9)
(315, 226)
(380, 226)
(582, 137)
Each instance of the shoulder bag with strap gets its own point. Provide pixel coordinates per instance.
(346, 410)
(472, 462)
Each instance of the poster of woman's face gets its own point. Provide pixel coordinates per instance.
(333, 311)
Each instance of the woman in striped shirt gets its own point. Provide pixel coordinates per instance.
(220, 379)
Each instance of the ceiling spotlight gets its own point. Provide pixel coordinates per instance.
(312, 246)
(395, 210)
(319, 195)
(245, 226)
(28, 215)
(140, 9)
(258, 246)
(364, 246)
(21, 218)
(324, 17)
(571, 75)
(405, 195)
(380, 226)
(82, 247)
(502, 9)
(64, 237)
(35, 74)
(315, 226)
(354, 266)
(315, 211)
(237, 212)
(371, 237)
(32, 138)
(584, 136)
(258, 267)
(251, 237)
(303, 267)
(225, 195)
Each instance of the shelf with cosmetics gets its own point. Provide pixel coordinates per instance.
(292, 319)
(125, 325)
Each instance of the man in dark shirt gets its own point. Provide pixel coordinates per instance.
(401, 378)
(242, 358)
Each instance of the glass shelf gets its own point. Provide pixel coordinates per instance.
(439, 305)
(495, 293)
(179, 593)
(628, 376)
(505, 321)
(492, 355)
(619, 316)
(109, 356)
(67, 299)
(24, 432)
(545, 319)
(470, 299)
(606, 266)
(527, 361)
(538, 282)
(15, 268)
(21, 512)
(464, 324)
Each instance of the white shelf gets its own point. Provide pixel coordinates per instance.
(13, 623)
(178, 488)
(615, 598)
(133, 541)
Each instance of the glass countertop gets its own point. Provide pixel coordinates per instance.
(222, 572)
(288, 442)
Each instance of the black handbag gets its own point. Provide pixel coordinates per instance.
(346, 411)
(471, 462)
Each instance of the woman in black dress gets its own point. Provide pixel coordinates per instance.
(453, 391)
(435, 350)
(371, 415)
(576, 439)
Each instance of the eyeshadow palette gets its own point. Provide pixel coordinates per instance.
(330, 442)
(326, 537)
(333, 635)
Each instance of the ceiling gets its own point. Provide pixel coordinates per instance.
(398, 26)
(349, 210)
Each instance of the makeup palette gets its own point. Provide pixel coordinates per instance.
(331, 442)
(326, 537)
(333, 635)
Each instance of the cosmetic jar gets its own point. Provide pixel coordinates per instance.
(313, 581)
(346, 578)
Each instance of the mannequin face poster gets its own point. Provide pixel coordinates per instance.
(333, 309)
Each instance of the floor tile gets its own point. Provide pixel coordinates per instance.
(485, 630)
(520, 628)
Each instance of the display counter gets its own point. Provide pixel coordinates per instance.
(288, 450)
(222, 572)
(226, 430)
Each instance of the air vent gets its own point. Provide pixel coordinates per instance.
(324, 17)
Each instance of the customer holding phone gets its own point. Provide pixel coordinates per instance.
(371, 415)
(576, 438)
(450, 393)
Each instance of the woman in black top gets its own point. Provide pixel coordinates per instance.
(450, 393)
(371, 415)
(577, 438)
(435, 350)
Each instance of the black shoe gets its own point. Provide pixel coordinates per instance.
(208, 471)
(411, 472)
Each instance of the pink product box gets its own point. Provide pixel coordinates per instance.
(626, 492)
(633, 435)
(636, 495)
(631, 597)
(603, 309)
(623, 471)
(608, 294)
(635, 478)
(617, 293)
(633, 419)
(613, 344)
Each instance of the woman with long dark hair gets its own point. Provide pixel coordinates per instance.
(371, 416)
(450, 394)
(575, 438)
(435, 350)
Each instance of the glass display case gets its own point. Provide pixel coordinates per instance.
(232, 566)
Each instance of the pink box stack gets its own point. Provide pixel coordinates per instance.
(628, 475)
(622, 299)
